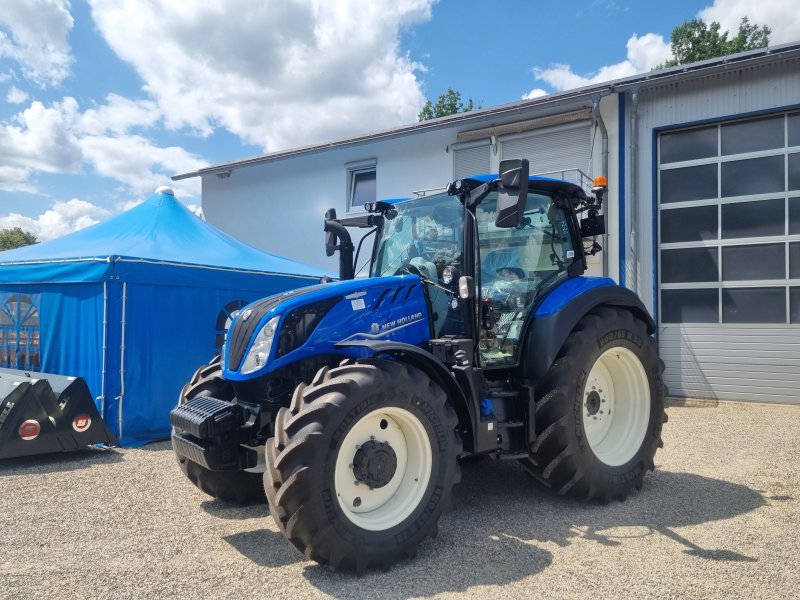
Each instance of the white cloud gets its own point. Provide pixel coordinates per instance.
(286, 75)
(33, 33)
(535, 93)
(14, 179)
(781, 16)
(140, 165)
(39, 139)
(16, 95)
(644, 53)
(61, 139)
(60, 219)
(119, 115)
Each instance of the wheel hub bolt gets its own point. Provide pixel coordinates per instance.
(375, 464)
(593, 402)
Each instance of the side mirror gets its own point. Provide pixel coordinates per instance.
(512, 193)
(330, 235)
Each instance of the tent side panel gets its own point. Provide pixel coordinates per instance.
(170, 331)
(113, 353)
(68, 333)
(149, 272)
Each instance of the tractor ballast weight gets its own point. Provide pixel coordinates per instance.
(476, 333)
(42, 413)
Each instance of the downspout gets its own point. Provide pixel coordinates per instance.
(634, 202)
(598, 119)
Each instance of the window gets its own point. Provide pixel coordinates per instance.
(362, 184)
(689, 145)
(729, 222)
(19, 331)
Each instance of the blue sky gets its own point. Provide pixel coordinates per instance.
(101, 101)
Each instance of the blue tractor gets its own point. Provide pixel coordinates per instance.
(350, 404)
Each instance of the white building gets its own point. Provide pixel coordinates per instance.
(703, 214)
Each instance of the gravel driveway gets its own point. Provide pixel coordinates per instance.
(720, 517)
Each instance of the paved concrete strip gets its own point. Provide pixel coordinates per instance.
(720, 517)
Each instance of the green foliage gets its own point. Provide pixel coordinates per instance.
(448, 103)
(696, 40)
(15, 238)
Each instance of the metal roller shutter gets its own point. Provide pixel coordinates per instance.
(552, 150)
(471, 161)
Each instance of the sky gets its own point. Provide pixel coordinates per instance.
(102, 101)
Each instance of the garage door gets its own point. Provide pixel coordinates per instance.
(729, 259)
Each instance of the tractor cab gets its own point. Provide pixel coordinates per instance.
(487, 250)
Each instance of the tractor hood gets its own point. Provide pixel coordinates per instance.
(309, 322)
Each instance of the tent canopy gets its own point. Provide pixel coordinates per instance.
(133, 305)
(160, 231)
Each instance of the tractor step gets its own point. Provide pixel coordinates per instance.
(509, 424)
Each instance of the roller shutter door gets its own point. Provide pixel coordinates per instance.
(729, 259)
(552, 150)
(471, 161)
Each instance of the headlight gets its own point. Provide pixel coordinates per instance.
(259, 351)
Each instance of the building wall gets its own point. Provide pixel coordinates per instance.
(278, 205)
(709, 360)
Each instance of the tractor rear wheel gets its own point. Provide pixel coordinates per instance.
(362, 463)
(242, 487)
(599, 409)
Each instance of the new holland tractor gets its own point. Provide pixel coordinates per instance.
(350, 404)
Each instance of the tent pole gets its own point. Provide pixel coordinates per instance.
(105, 349)
(122, 359)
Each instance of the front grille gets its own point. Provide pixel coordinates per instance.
(242, 331)
(300, 324)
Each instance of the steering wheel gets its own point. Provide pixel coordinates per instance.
(408, 268)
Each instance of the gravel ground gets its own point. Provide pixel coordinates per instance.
(718, 518)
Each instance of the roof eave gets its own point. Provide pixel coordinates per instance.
(652, 78)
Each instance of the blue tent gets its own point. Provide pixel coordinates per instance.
(134, 305)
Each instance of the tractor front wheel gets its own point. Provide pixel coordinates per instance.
(362, 464)
(599, 409)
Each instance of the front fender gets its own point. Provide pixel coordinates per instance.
(425, 362)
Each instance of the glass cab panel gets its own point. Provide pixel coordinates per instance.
(425, 236)
(517, 266)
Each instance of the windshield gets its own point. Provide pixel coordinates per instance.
(424, 228)
(424, 236)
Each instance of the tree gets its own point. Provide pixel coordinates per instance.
(448, 103)
(15, 238)
(696, 40)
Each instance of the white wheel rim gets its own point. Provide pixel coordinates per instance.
(381, 508)
(616, 406)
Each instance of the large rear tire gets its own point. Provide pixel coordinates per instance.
(242, 487)
(362, 463)
(599, 409)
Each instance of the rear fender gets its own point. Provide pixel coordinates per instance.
(559, 312)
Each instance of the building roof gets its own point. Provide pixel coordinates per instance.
(661, 76)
